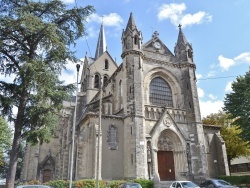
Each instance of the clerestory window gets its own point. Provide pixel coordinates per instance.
(160, 93)
(97, 81)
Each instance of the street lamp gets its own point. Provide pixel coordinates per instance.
(216, 168)
(73, 131)
(98, 169)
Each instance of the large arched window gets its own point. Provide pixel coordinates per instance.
(97, 81)
(160, 93)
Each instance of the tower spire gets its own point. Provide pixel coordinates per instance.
(131, 22)
(101, 43)
(183, 50)
(181, 37)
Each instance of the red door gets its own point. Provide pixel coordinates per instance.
(166, 165)
(46, 175)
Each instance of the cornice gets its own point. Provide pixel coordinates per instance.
(175, 65)
(129, 52)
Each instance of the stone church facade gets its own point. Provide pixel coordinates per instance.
(150, 119)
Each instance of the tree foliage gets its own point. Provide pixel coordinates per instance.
(237, 104)
(236, 146)
(5, 140)
(220, 118)
(35, 41)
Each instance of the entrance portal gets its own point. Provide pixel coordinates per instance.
(166, 165)
(46, 175)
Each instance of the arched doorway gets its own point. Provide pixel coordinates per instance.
(165, 157)
(46, 175)
(47, 168)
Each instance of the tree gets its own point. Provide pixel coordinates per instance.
(220, 118)
(35, 41)
(237, 103)
(235, 145)
(5, 144)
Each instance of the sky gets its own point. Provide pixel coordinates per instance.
(219, 32)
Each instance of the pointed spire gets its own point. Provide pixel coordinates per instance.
(101, 43)
(131, 22)
(183, 50)
(181, 37)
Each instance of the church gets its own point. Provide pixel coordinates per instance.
(138, 119)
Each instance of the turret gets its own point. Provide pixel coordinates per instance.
(131, 37)
(183, 49)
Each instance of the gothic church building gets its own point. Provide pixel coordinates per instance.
(150, 119)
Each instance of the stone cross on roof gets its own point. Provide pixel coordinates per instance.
(179, 26)
(155, 34)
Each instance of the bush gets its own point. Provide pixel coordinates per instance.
(59, 184)
(145, 183)
(90, 183)
(237, 180)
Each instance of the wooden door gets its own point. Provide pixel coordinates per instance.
(46, 175)
(166, 165)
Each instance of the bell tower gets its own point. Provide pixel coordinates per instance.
(184, 55)
(132, 85)
(132, 65)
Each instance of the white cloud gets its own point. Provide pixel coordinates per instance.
(208, 107)
(174, 13)
(171, 11)
(225, 63)
(211, 74)
(110, 20)
(92, 32)
(196, 18)
(228, 87)
(200, 92)
(214, 65)
(211, 96)
(69, 76)
(198, 76)
(244, 57)
(68, 1)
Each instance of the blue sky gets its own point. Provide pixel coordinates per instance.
(219, 32)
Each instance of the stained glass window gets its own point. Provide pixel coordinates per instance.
(160, 93)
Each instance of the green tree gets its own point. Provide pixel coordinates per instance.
(236, 146)
(220, 118)
(5, 144)
(237, 104)
(35, 41)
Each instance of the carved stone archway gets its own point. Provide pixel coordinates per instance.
(47, 168)
(165, 158)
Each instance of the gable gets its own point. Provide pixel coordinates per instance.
(157, 46)
(99, 64)
(166, 122)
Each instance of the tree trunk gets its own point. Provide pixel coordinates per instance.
(229, 165)
(13, 159)
(10, 180)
